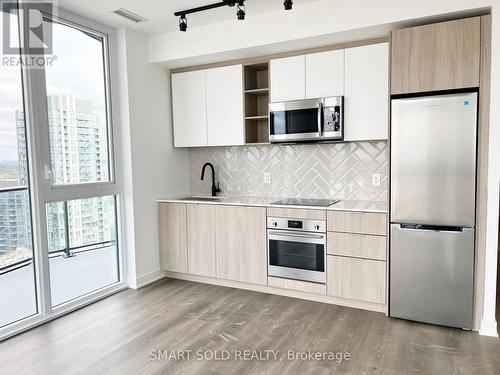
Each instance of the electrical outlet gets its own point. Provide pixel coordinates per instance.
(376, 179)
(267, 178)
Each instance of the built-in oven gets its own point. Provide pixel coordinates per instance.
(297, 249)
(307, 120)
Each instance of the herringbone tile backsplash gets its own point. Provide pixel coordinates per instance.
(337, 170)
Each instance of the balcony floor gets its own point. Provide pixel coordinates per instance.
(70, 278)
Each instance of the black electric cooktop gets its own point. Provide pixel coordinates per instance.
(306, 202)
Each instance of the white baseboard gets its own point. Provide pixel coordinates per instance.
(146, 279)
(488, 328)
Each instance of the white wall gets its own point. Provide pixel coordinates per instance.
(328, 21)
(307, 25)
(152, 168)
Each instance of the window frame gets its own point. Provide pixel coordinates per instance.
(41, 189)
(58, 192)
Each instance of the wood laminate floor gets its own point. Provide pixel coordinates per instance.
(117, 336)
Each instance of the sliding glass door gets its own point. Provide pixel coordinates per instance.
(60, 186)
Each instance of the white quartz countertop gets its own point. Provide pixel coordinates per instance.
(343, 205)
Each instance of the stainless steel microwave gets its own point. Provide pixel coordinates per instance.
(307, 120)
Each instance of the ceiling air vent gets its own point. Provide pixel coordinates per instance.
(129, 15)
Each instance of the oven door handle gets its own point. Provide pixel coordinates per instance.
(308, 238)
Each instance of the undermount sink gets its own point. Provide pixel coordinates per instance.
(202, 198)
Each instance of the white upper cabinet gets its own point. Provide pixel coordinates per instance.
(225, 121)
(208, 107)
(288, 78)
(189, 109)
(307, 76)
(366, 102)
(325, 74)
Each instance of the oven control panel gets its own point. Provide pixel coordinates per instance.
(296, 224)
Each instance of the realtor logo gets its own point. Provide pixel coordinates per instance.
(39, 36)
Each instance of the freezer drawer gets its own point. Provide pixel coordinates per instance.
(433, 159)
(431, 276)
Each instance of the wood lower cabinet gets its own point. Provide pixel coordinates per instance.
(296, 213)
(357, 222)
(438, 56)
(358, 279)
(297, 285)
(173, 237)
(201, 240)
(230, 243)
(240, 236)
(357, 245)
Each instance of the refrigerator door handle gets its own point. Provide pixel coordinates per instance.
(432, 228)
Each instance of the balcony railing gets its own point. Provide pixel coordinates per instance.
(25, 254)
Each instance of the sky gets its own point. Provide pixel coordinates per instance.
(77, 70)
(10, 98)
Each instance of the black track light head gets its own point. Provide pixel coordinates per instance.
(288, 4)
(240, 14)
(183, 25)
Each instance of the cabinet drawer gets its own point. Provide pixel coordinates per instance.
(357, 222)
(358, 279)
(301, 286)
(294, 213)
(357, 245)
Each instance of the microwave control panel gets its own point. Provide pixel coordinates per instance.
(331, 119)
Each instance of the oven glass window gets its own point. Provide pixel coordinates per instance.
(294, 122)
(297, 255)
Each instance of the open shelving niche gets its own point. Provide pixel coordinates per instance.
(256, 86)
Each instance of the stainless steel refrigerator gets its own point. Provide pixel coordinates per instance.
(433, 184)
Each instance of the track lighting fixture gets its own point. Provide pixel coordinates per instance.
(183, 25)
(240, 14)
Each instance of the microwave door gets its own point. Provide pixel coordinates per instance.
(295, 121)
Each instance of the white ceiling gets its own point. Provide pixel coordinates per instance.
(160, 13)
